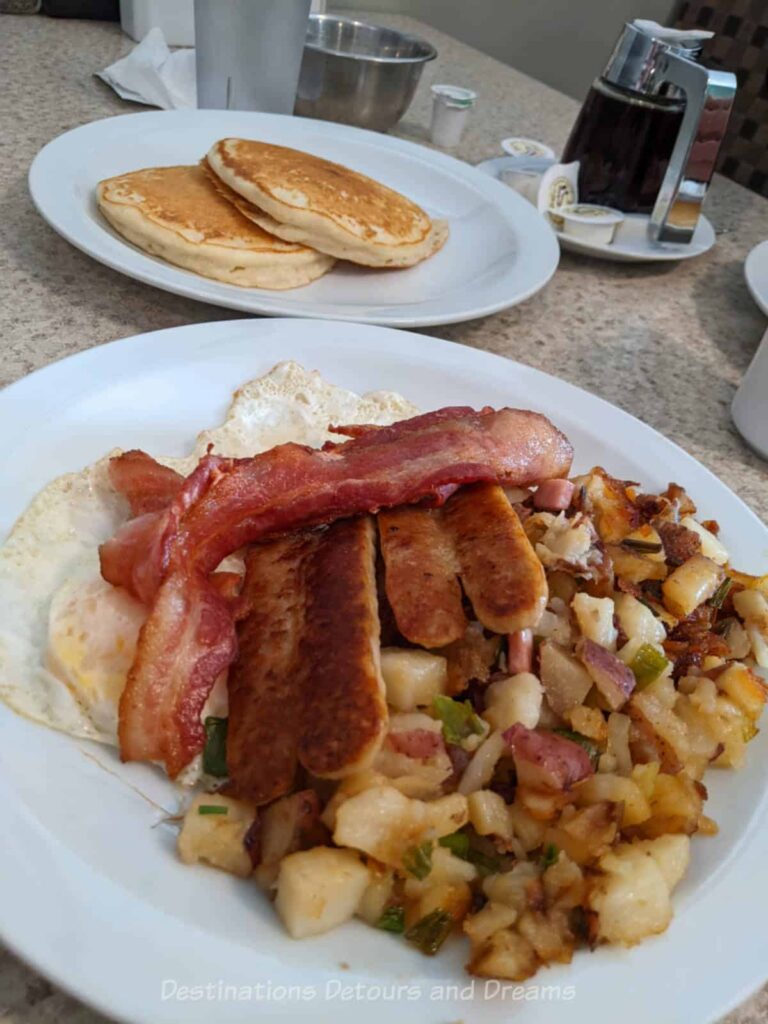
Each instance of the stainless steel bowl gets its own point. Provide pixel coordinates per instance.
(359, 73)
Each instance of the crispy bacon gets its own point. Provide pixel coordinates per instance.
(265, 680)
(233, 502)
(148, 486)
(679, 542)
(186, 642)
(139, 554)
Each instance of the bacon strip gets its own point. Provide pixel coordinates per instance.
(420, 577)
(290, 486)
(187, 640)
(148, 486)
(345, 712)
(501, 574)
(265, 683)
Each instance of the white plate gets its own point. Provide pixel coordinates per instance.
(498, 253)
(93, 896)
(631, 244)
(756, 274)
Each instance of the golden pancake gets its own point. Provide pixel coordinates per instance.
(303, 198)
(177, 214)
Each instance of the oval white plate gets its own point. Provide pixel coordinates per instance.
(498, 252)
(92, 894)
(756, 274)
(631, 244)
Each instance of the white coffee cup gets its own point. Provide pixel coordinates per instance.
(750, 404)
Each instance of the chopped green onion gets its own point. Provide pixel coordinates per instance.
(418, 860)
(457, 843)
(583, 741)
(215, 750)
(431, 931)
(549, 855)
(458, 718)
(651, 547)
(212, 809)
(647, 664)
(721, 593)
(392, 920)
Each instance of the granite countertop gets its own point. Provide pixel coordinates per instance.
(668, 343)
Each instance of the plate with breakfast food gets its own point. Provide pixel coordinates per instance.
(289, 216)
(341, 667)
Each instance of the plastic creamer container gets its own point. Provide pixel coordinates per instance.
(450, 108)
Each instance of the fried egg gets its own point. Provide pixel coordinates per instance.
(67, 637)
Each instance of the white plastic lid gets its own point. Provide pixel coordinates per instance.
(454, 95)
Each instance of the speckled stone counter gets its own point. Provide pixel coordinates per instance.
(668, 343)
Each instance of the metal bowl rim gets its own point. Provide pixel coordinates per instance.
(407, 36)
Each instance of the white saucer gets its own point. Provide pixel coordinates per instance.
(631, 244)
(756, 274)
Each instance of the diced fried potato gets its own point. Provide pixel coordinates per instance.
(589, 722)
(744, 688)
(514, 888)
(638, 621)
(491, 918)
(711, 547)
(657, 721)
(692, 583)
(645, 776)
(618, 790)
(587, 832)
(488, 814)
(377, 893)
(595, 618)
(384, 824)
(676, 805)
(548, 934)
(634, 566)
(516, 699)
(505, 955)
(565, 680)
(752, 606)
(671, 853)
(565, 541)
(217, 839)
(455, 898)
(412, 677)
(484, 760)
(615, 515)
(632, 896)
(618, 729)
(564, 883)
(319, 889)
(528, 831)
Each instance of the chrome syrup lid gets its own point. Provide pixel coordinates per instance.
(638, 53)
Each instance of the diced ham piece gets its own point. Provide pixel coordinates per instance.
(520, 651)
(553, 495)
(546, 761)
(419, 744)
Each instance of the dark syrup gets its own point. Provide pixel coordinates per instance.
(623, 143)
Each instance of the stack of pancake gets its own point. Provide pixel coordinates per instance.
(265, 216)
